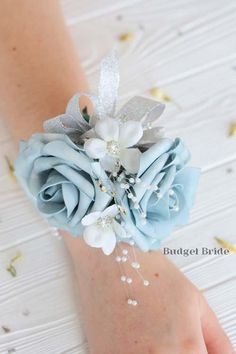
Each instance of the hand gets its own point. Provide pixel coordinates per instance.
(172, 316)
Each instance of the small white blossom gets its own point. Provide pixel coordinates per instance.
(101, 229)
(114, 142)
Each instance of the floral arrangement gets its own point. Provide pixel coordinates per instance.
(111, 176)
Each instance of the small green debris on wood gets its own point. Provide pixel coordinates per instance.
(161, 95)
(232, 129)
(6, 329)
(11, 268)
(126, 37)
(11, 169)
(226, 245)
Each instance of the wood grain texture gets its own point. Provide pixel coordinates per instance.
(188, 48)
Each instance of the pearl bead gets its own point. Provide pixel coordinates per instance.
(134, 303)
(125, 252)
(131, 243)
(114, 174)
(131, 180)
(124, 259)
(135, 265)
(171, 192)
(143, 215)
(123, 278)
(146, 283)
(129, 280)
(130, 301)
(118, 259)
(136, 205)
(130, 196)
(138, 180)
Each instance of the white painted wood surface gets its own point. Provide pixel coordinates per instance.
(187, 47)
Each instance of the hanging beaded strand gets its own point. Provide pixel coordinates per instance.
(56, 233)
(121, 259)
(124, 257)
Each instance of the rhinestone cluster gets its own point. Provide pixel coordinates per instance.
(105, 222)
(113, 148)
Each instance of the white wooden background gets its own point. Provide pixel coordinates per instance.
(188, 48)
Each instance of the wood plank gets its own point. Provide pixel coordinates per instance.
(78, 11)
(185, 66)
(187, 48)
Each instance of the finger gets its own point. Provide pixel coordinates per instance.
(215, 338)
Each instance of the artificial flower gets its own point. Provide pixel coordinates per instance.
(56, 175)
(163, 195)
(102, 230)
(113, 144)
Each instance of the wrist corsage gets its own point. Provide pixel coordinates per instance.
(111, 176)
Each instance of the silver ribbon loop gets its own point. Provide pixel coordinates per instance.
(141, 109)
(108, 85)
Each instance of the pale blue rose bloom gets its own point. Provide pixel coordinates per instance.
(56, 175)
(162, 165)
(59, 177)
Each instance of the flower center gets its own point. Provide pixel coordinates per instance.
(105, 222)
(113, 148)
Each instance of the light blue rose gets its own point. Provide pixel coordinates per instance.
(56, 174)
(165, 194)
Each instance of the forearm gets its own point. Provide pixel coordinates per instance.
(39, 66)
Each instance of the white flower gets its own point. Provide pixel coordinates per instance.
(101, 229)
(114, 142)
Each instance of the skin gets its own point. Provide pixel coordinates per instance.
(39, 72)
